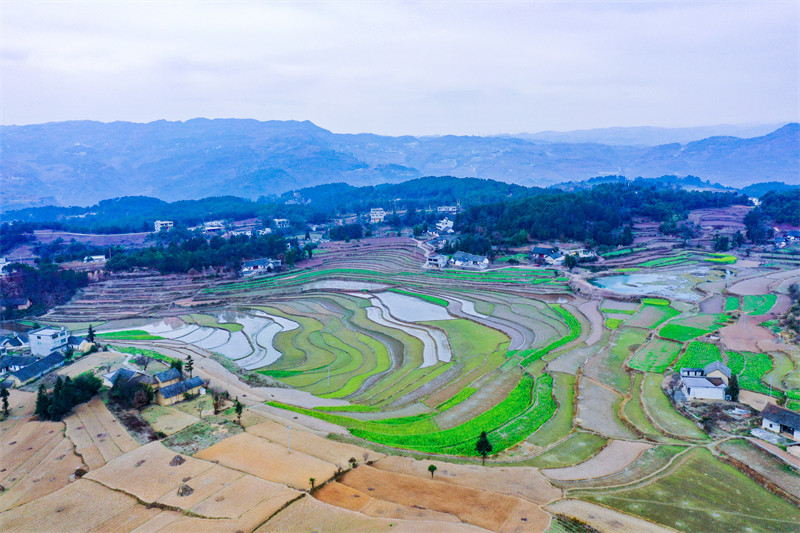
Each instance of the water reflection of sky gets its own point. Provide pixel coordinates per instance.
(667, 284)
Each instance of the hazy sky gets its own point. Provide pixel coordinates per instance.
(404, 67)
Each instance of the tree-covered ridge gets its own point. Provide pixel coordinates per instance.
(195, 252)
(602, 214)
(782, 207)
(418, 193)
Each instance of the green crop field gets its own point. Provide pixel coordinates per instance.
(701, 493)
(758, 305)
(129, 335)
(655, 356)
(731, 303)
(698, 355)
(751, 368)
(655, 301)
(613, 323)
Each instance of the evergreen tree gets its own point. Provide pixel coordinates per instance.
(90, 334)
(483, 447)
(239, 408)
(177, 363)
(4, 396)
(42, 403)
(189, 365)
(733, 388)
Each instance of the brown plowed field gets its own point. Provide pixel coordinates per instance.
(496, 512)
(349, 498)
(328, 450)
(522, 482)
(744, 335)
(267, 460)
(310, 514)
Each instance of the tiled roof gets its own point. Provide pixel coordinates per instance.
(45, 364)
(168, 375)
(785, 417)
(181, 387)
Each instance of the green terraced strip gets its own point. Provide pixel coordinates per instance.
(426, 297)
(655, 356)
(348, 408)
(390, 426)
(457, 399)
(613, 323)
(655, 301)
(758, 305)
(574, 330)
(129, 335)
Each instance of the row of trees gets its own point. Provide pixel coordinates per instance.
(66, 394)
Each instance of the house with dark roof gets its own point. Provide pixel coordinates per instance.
(465, 260)
(36, 369)
(20, 304)
(127, 375)
(261, 265)
(167, 377)
(781, 421)
(12, 363)
(175, 392)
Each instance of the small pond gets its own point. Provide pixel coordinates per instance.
(667, 284)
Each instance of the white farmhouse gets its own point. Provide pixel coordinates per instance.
(166, 225)
(45, 341)
(376, 215)
(708, 383)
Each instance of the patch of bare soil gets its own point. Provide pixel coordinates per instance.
(592, 312)
(712, 305)
(744, 335)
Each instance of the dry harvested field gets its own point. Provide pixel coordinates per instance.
(45, 470)
(615, 457)
(491, 511)
(310, 514)
(97, 434)
(21, 403)
(95, 239)
(521, 482)
(247, 453)
(591, 311)
(146, 472)
(80, 506)
(327, 450)
(605, 519)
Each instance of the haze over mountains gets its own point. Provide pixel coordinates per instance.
(82, 162)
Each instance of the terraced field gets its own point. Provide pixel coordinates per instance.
(364, 356)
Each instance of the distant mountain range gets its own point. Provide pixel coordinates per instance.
(83, 162)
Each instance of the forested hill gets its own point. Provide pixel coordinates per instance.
(603, 214)
(83, 162)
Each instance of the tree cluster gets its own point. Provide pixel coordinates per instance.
(346, 232)
(132, 393)
(66, 394)
(46, 287)
(196, 252)
(602, 215)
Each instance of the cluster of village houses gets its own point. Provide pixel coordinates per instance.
(783, 239)
(25, 357)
